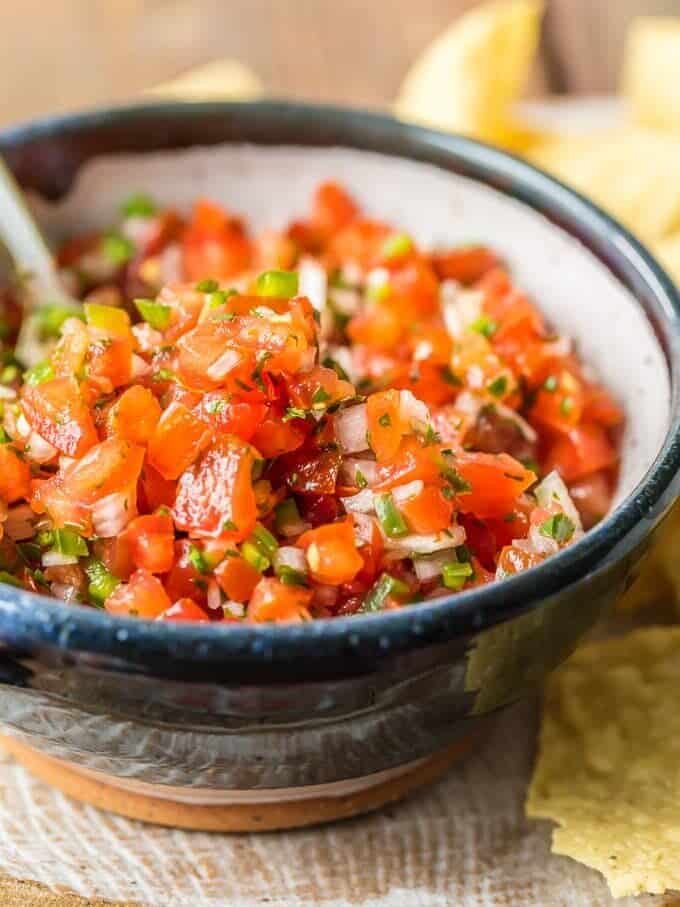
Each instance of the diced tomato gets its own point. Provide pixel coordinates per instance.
(412, 461)
(274, 601)
(318, 389)
(177, 440)
(69, 354)
(109, 362)
(215, 496)
(592, 496)
(466, 264)
(108, 467)
(600, 406)
(559, 404)
(151, 540)
(225, 415)
(214, 244)
(15, 475)
(51, 497)
(274, 437)
(580, 452)
(377, 326)
(515, 560)
(275, 250)
(237, 578)
(429, 511)
(332, 208)
(496, 482)
(185, 609)
(359, 242)
(385, 424)
(143, 596)
(480, 539)
(157, 491)
(184, 580)
(115, 554)
(57, 411)
(134, 416)
(310, 471)
(331, 552)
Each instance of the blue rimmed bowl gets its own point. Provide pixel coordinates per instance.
(268, 726)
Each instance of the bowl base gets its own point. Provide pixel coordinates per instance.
(235, 811)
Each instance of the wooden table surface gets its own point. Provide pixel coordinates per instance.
(62, 54)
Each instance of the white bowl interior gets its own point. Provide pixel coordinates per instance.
(270, 185)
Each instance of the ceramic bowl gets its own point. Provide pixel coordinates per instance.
(280, 725)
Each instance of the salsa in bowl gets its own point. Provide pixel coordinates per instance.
(271, 708)
(306, 422)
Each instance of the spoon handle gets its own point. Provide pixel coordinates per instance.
(25, 242)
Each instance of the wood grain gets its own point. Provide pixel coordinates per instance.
(65, 54)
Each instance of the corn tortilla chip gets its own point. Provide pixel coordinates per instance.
(469, 77)
(632, 173)
(651, 72)
(608, 768)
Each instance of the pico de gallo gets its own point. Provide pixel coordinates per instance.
(315, 421)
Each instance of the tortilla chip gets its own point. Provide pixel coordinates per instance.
(632, 173)
(219, 80)
(608, 769)
(668, 253)
(468, 78)
(651, 72)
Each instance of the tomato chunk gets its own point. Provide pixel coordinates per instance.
(274, 601)
(143, 596)
(57, 411)
(215, 496)
(331, 552)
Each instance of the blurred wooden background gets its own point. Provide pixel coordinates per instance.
(62, 54)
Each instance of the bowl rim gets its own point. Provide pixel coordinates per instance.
(39, 620)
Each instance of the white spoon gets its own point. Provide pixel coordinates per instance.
(32, 260)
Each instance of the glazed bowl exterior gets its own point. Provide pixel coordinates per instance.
(279, 707)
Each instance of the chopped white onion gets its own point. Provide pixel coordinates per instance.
(540, 543)
(414, 411)
(351, 428)
(226, 363)
(7, 393)
(353, 465)
(64, 591)
(343, 356)
(460, 307)
(345, 301)
(170, 264)
(139, 367)
(403, 493)
(234, 609)
(112, 514)
(312, 282)
(214, 595)
(378, 277)
(57, 559)
(351, 273)
(506, 412)
(469, 404)
(148, 338)
(429, 568)
(360, 503)
(364, 526)
(22, 428)
(138, 229)
(289, 556)
(552, 490)
(427, 544)
(20, 522)
(558, 348)
(38, 449)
